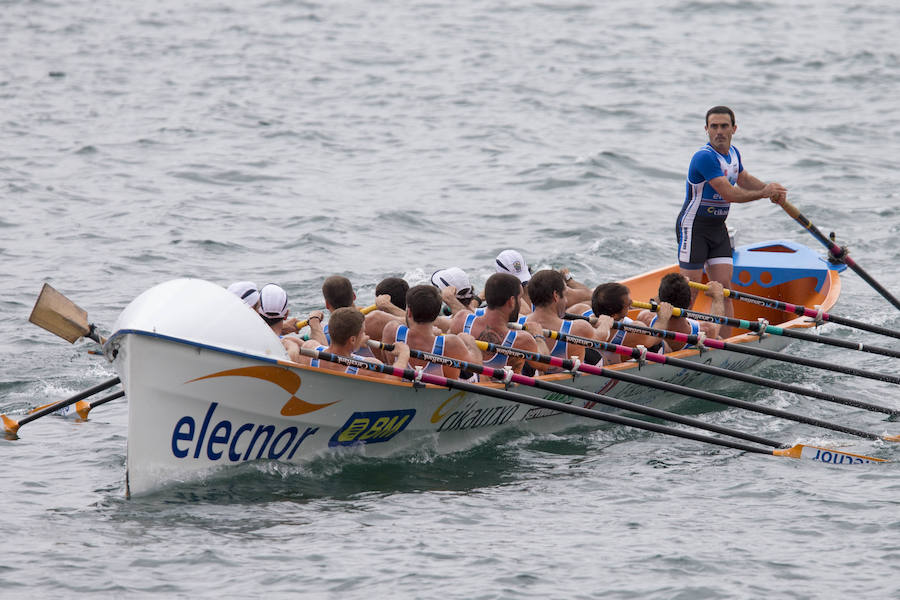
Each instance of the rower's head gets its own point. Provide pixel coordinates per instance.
(346, 323)
(423, 303)
(338, 292)
(396, 288)
(512, 262)
(456, 277)
(613, 299)
(547, 288)
(499, 289)
(246, 291)
(273, 305)
(675, 289)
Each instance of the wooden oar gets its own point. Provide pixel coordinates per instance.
(507, 376)
(761, 327)
(627, 377)
(83, 407)
(59, 315)
(704, 368)
(838, 253)
(797, 451)
(801, 310)
(12, 425)
(744, 349)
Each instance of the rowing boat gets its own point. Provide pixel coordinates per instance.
(209, 385)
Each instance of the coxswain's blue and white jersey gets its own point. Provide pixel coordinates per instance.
(701, 200)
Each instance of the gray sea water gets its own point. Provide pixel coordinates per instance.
(286, 140)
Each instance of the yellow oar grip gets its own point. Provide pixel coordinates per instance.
(301, 324)
(702, 286)
(676, 312)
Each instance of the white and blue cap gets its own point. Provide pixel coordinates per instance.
(457, 278)
(246, 291)
(273, 301)
(512, 261)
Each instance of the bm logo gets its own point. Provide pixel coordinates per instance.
(371, 427)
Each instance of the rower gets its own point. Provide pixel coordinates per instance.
(512, 261)
(348, 337)
(502, 292)
(614, 299)
(338, 293)
(423, 304)
(456, 290)
(246, 291)
(273, 309)
(547, 290)
(675, 291)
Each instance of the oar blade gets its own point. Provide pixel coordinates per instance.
(59, 315)
(11, 426)
(827, 455)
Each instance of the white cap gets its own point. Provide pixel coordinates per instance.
(511, 261)
(246, 291)
(457, 278)
(272, 301)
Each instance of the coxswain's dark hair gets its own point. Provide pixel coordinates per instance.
(720, 110)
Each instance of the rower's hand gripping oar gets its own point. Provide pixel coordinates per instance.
(59, 315)
(12, 426)
(837, 252)
(797, 451)
(762, 327)
(818, 315)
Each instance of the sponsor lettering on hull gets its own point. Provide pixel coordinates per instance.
(371, 427)
(229, 442)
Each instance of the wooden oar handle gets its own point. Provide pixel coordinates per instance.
(791, 210)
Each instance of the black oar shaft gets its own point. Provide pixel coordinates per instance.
(704, 368)
(592, 397)
(761, 352)
(106, 399)
(809, 312)
(483, 390)
(64, 403)
(762, 328)
(838, 253)
(684, 391)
